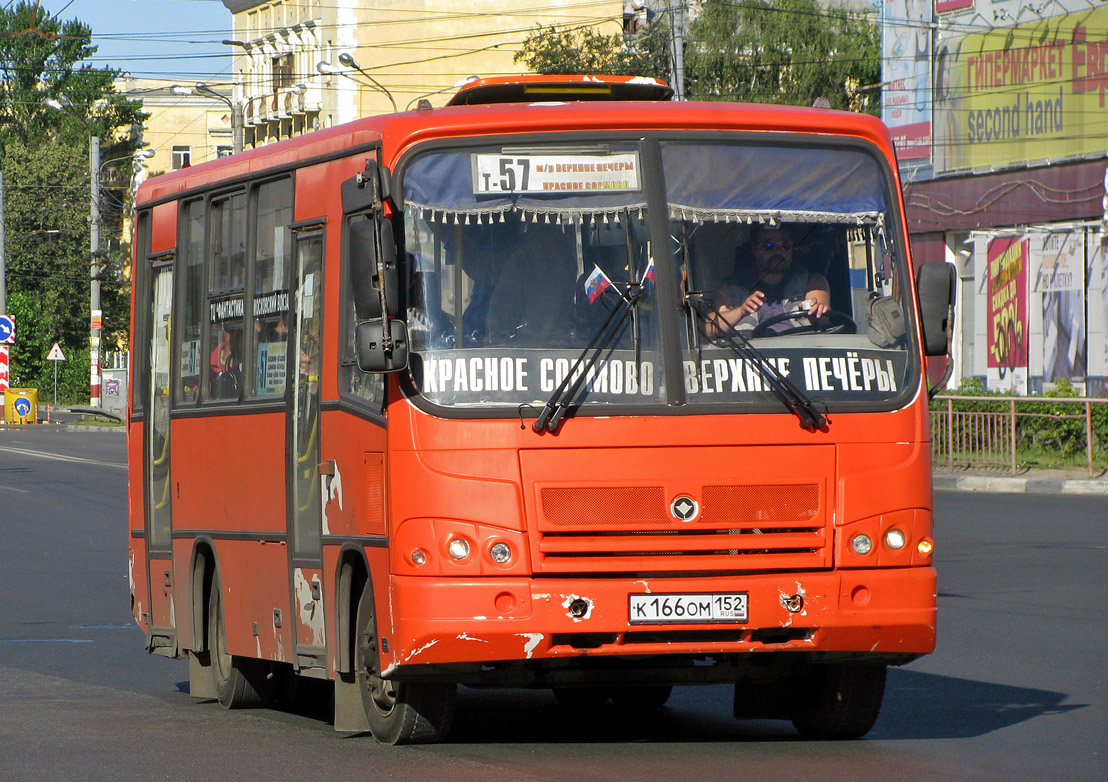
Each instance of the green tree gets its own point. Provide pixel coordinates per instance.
(556, 50)
(30, 368)
(44, 154)
(793, 51)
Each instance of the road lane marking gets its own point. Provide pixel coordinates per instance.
(60, 458)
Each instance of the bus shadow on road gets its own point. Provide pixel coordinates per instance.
(929, 706)
(917, 706)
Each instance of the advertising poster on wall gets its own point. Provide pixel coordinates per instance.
(1058, 269)
(1098, 309)
(906, 68)
(1006, 314)
(1031, 91)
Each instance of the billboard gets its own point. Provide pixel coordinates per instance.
(1006, 322)
(1033, 91)
(1098, 305)
(906, 71)
(1058, 274)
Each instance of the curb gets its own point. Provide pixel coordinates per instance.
(999, 485)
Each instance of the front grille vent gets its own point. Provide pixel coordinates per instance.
(630, 529)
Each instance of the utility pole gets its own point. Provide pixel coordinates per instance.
(97, 316)
(677, 21)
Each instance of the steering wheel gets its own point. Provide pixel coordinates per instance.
(833, 322)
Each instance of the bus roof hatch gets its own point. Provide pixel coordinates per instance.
(532, 88)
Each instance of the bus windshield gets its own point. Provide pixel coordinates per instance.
(518, 255)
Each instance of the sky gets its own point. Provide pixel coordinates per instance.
(175, 40)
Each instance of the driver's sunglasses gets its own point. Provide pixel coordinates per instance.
(784, 244)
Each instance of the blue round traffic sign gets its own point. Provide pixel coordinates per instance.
(7, 328)
(22, 406)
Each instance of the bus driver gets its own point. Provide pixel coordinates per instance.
(770, 285)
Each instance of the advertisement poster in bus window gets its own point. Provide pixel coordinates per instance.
(906, 61)
(1098, 309)
(1058, 274)
(1006, 323)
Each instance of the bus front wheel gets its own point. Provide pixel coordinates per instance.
(235, 678)
(398, 712)
(839, 701)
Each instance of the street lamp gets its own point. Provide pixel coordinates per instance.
(96, 320)
(203, 90)
(327, 69)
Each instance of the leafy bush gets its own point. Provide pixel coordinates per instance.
(1049, 429)
(1052, 425)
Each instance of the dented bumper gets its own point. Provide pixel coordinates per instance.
(877, 612)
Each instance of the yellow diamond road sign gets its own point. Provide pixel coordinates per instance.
(56, 353)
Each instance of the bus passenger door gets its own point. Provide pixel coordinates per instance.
(156, 472)
(305, 509)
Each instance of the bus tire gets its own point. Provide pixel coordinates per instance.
(839, 701)
(641, 697)
(397, 712)
(582, 697)
(235, 678)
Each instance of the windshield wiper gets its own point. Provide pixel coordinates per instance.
(558, 404)
(798, 403)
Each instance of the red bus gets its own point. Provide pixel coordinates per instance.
(444, 398)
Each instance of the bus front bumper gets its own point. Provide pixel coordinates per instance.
(878, 614)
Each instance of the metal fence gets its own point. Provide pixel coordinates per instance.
(994, 438)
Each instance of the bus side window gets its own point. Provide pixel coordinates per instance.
(226, 279)
(272, 265)
(191, 303)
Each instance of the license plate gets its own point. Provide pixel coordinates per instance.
(726, 608)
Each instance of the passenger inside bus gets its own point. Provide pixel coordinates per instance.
(767, 282)
(224, 364)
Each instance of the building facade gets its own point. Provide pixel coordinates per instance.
(1001, 124)
(300, 65)
(185, 127)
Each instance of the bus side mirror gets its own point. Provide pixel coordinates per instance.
(379, 351)
(935, 286)
(367, 269)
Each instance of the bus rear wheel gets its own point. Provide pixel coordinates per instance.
(235, 678)
(398, 712)
(839, 701)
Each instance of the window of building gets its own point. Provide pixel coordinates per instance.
(182, 157)
(282, 72)
(223, 150)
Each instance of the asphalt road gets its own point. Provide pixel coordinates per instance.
(1016, 689)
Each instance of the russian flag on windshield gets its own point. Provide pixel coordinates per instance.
(596, 283)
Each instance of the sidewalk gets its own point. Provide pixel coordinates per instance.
(1030, 481)
(997, 481)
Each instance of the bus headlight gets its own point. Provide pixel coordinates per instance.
(861, 544)
(895, 539)
(500, 552)
(458, 548)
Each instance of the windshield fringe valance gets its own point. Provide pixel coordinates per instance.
(771, 217)
(547, 215)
